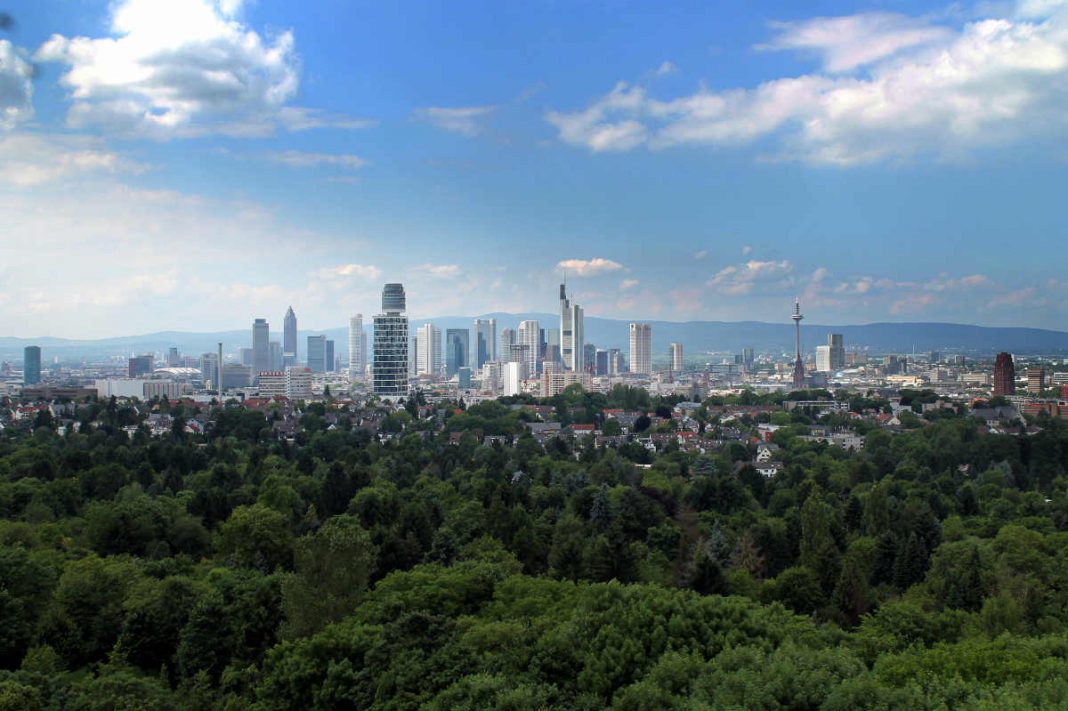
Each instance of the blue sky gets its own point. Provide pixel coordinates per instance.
(193, 164)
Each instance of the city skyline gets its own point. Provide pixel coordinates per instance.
(643, 179)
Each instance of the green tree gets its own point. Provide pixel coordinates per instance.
(256, 537)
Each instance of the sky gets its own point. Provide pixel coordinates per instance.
(193, 164)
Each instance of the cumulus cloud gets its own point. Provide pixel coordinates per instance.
(736, 280)
(29, 159)
(465, 120)
(666, 68)
(589, 267)
(349, 271)
(301, 159)
(16, 86)
(628, 284)
(181, 67)
(440, 271)
(892, 88)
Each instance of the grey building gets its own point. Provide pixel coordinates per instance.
(317, 354)
(485, 345)
(261, 349)
(289, 338)
(390, 348)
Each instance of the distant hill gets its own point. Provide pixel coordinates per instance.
(696, 337)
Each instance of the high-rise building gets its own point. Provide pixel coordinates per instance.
(357, 347)
(520, 353)
(747, 358)
(512, 375)
(289, 338)
(261, 350)
(140, 365)
(429, 350)
(615, 362)
(485, 345)
(245, 356)
(413, 358)
(276, 356)
(463, 376)
(823, 359)
(675, 353)
(508, 339)
(641, 348)
(589, 355)
(298, 383)
(317, 354)
(529, 335)
(209, 368)
(1036, 380)
(173, 358)
(552, 345)
(836, 345)
(1004, 375)
(600, 362)
(31, 365)
(571, 332)
(390, 351)
(457, 350)
(331, 364)
(799, 365)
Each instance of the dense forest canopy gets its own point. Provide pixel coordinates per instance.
(422, 565)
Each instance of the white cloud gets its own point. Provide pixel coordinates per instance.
(913, 89)
(180, 67)
(666, 68)
(16, 86)
(367, 272)
(700, 254)
(736, 280)
(29, 159)
(301, 159)
(845, 43)
(747, 250)
(465, 120)
(589, 267)
(628, 284)
(440, 271)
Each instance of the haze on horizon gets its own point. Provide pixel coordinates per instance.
(194, 164)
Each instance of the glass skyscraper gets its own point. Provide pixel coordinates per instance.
(31, 365)
(390, 350)
(289, 338)
(457, 348)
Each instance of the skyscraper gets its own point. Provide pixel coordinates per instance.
(641, 348)
(836, 344)
(747, 358)
(485, 346)
(675, 352)
(799, 366)
(429, 349)
(31, 365)
(390, 365)
(457, 350)
(330, 364)
(317, 354)
(289, 338)
(571, 332)
(1004, 375)
(508, 339)
(1036, 380)
(552, 345)
(277, 359)
(529, 335)
(357, 347)
(823, 359)
(261, 349)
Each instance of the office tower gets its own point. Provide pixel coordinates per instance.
(934, 357)
(836, 346)
(173, 359)
(317, 354)
(413, 358)
(571, 332)
(140, 365)
(245, 356)
(520, 354)
(1004, 375)
(289, 338)
(276, 357)
(589, 354)
(236, 376)
(541, 344)
(31, 365)
(429, 349)
(463, 376)
(641, 348)
(1036, 381)
(329, 363)
(512, 375)
(615, 361)
(600, 363)
(799, 366)
(552, 345)
(508, 339)
(457, 349)
(209, 368)
(219, 378)
(823, 359)
(529, 335)
(261, 350)
(390, 351)
(675, 354)
(485, 346)
(747, 358)
(357, 347)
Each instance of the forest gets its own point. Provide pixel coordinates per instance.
(342, 570)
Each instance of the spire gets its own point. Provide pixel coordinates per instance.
(799, 365)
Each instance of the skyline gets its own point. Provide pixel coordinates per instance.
(642, 160)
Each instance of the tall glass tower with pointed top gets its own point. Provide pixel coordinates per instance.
(289, 338)
(390, 367)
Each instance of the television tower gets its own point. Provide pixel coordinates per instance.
(799, 366)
